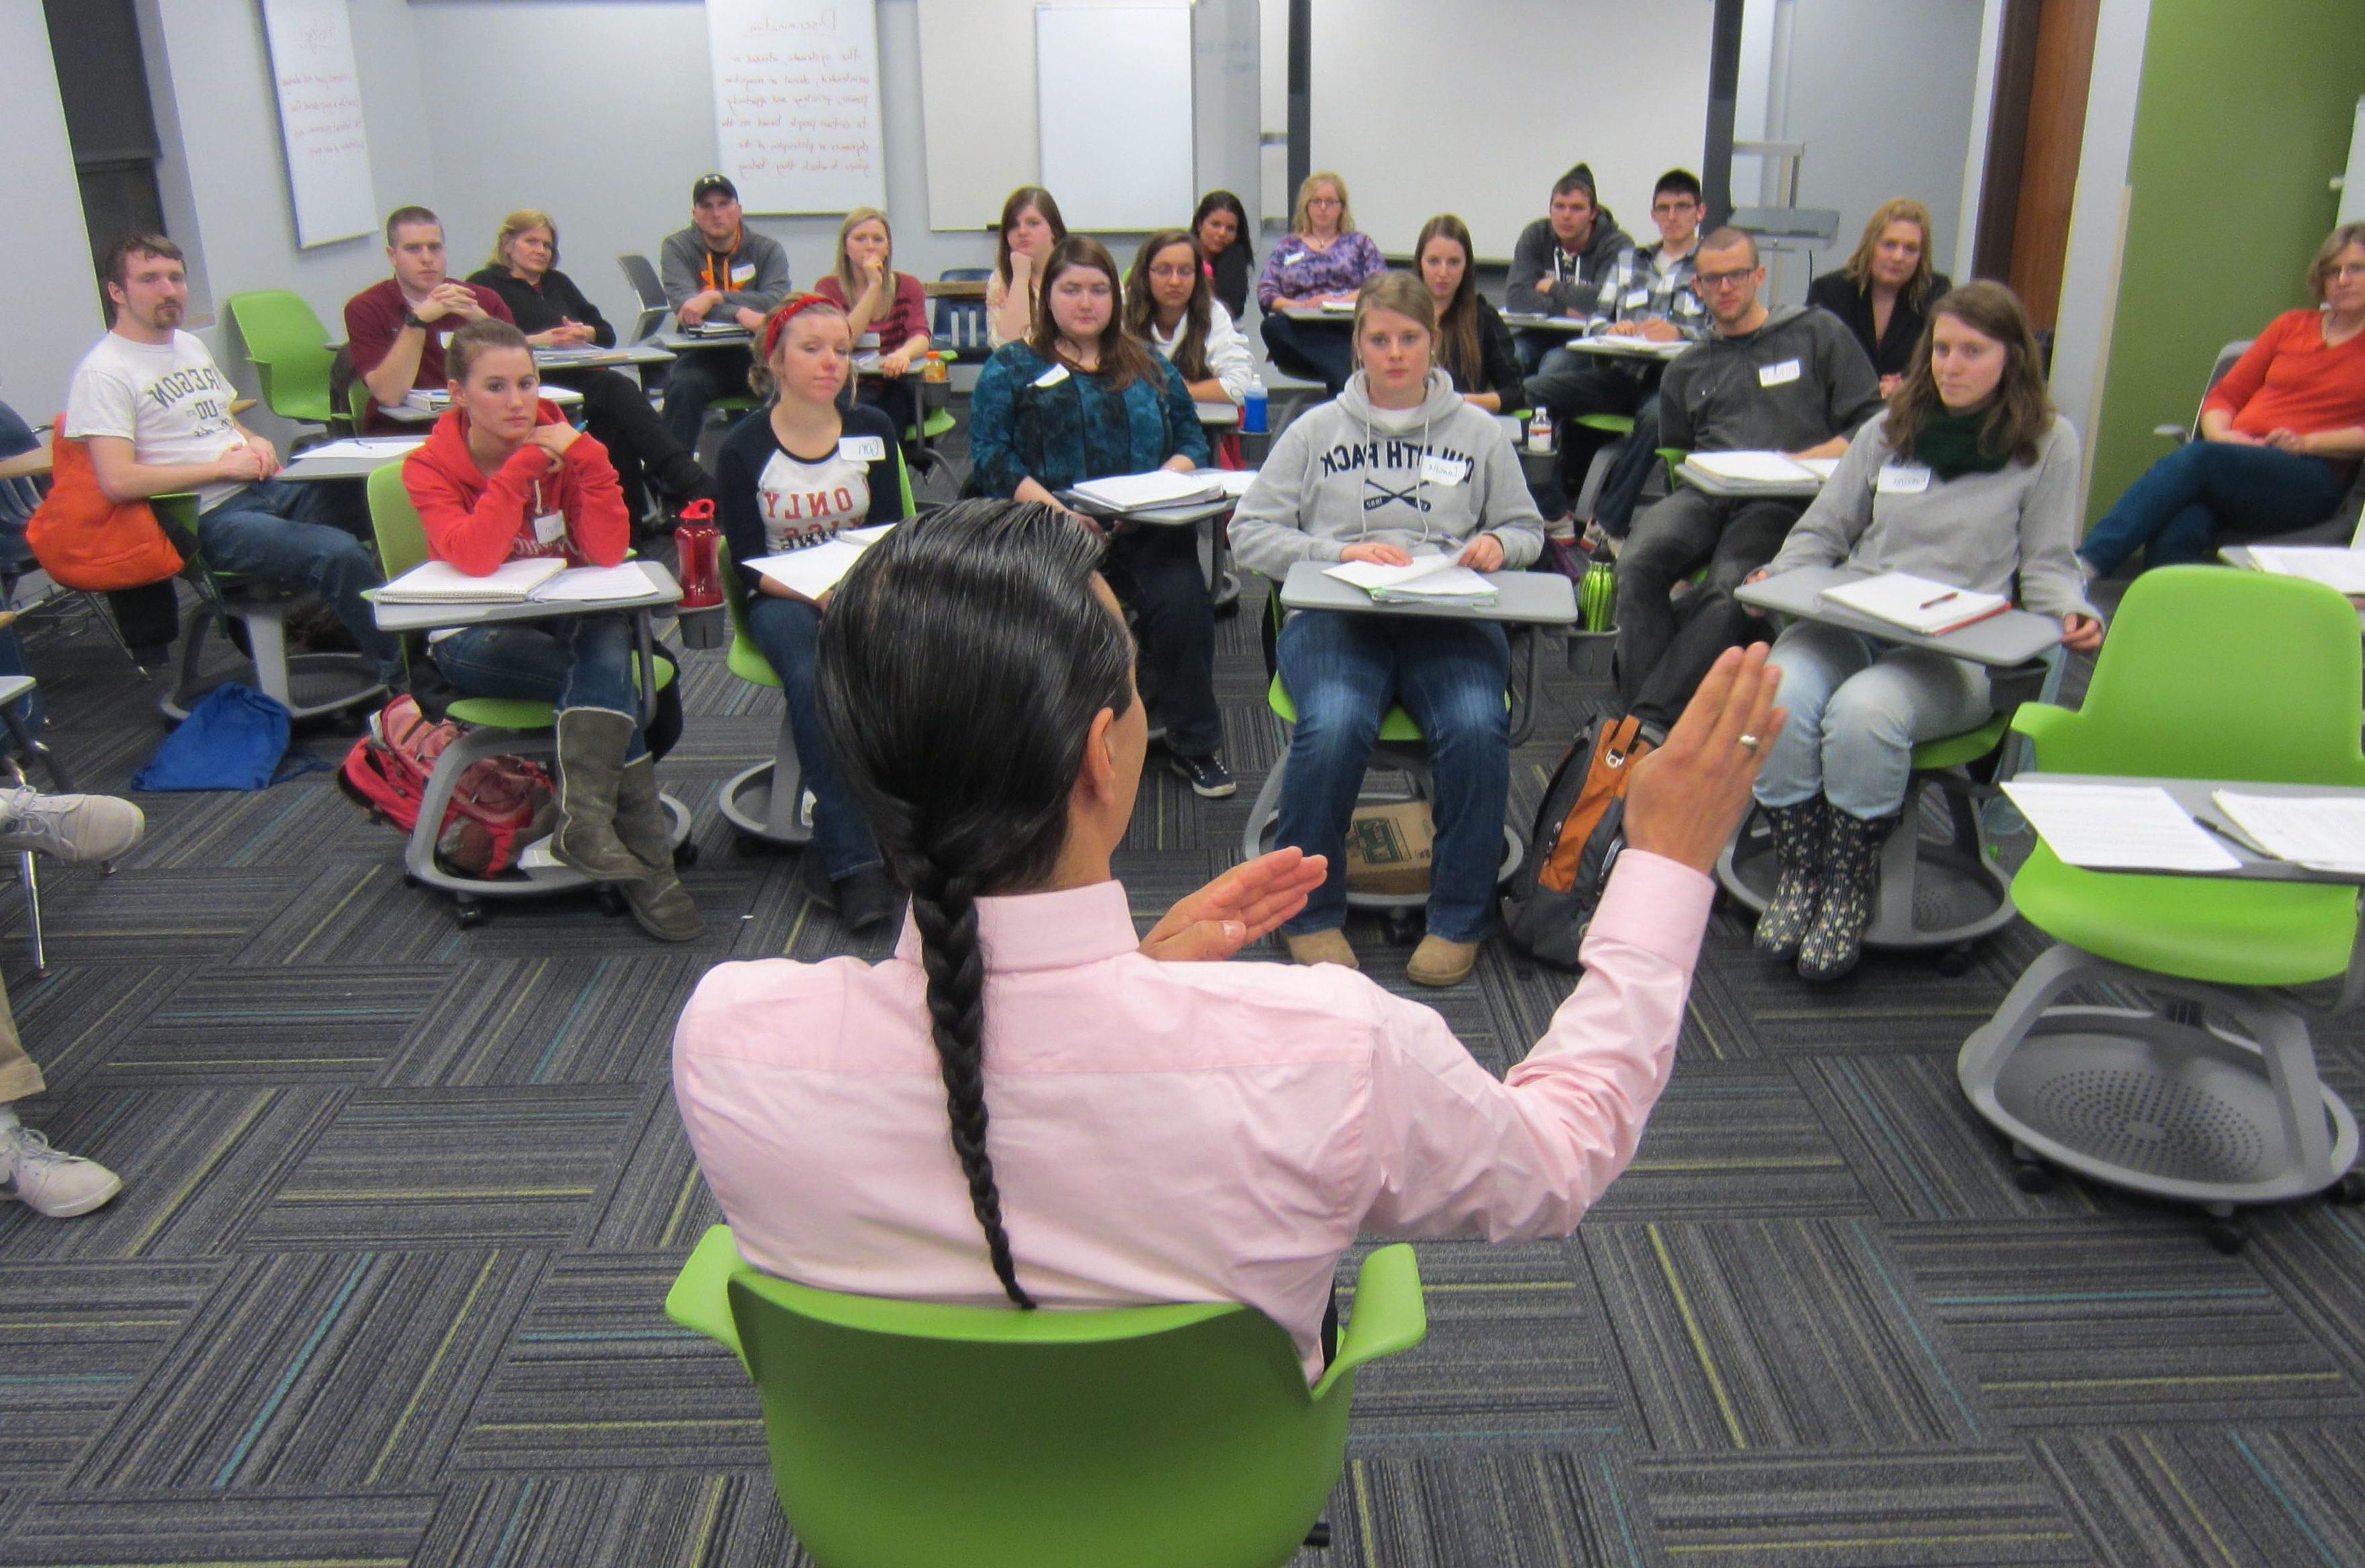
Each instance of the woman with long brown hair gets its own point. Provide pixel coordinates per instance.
(1968, 477)
(1884, 292)
(1474, 347)
(1031, 225)
(1171, 306)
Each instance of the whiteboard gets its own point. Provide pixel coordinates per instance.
(320, 98)
(1113, 121)
(796, 103)
(1532, 88)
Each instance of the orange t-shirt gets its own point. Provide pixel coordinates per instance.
(2288, 379)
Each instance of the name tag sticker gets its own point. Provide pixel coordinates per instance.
(1293, 259)
(745, 272)
(1902, 479)
(861, 449)
(550, 528)
(1436, 470)
(1780, 375)
(1053, 376)
(1637, 298)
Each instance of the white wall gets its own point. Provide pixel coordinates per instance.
(53, 312)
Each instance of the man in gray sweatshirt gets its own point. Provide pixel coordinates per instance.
(1784, 380)
(1563, 263)
(720, 273)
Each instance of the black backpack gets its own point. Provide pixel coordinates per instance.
(1579, 835)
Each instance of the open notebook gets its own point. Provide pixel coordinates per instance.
(1916, 604)
(1427, 577)
(542, 579)
(814, 570)
(1773, 470)
(1147, 492)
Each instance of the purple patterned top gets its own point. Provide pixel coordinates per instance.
(1297, 270)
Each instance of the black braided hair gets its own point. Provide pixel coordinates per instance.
(961, 667)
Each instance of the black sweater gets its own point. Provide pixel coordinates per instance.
(1233, 276)
(538, 310)
(1836, 293)
(1498, 361)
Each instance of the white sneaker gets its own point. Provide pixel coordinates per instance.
(72, 827)
(48, 1180)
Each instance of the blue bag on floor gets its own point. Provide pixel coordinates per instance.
(235, 738)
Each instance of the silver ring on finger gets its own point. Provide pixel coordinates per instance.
(1752, 742)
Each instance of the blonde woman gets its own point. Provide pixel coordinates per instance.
(886, 309)
(1323, 259)
(1885, 291)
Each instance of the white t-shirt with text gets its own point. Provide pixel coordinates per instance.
(805, 503)
(168, 399)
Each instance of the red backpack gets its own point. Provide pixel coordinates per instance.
(501, 804)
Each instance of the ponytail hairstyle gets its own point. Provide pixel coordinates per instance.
(473, 341)
(1457, 327)
(1124, 359)
(960, 667)
(759, 367)
(1198, 317)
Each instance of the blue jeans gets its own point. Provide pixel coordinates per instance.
(575, 661)
(1858, 709)
(696, 379)
(788, 630)
(2177, 510)
(1341, 669)
(278, 531)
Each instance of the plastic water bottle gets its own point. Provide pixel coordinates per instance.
(1253, 406)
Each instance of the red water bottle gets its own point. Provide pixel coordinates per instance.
(694, 554)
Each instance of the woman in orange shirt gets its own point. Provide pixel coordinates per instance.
(2281, 433)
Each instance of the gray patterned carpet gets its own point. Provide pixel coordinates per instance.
(401, 1202)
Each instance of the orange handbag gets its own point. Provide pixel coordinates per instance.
(85, 540)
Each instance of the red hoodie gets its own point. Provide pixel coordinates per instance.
(476, 520)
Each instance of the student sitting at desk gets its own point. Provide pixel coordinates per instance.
(1031, 225)
(1884, 292)
(503, 476)
(1648, 295)
(1170, 305)
(1400, 463)
(1789, 380)
(1474, 347)
(717, 272)
(884, 304)
(792, 476)
(552, 313)
(1221, 226)
(1324, 258)
(396, 329)
(1082, 399)
(1160, 1130)
(1968, 477)
(1563, 261)
(2281, 433)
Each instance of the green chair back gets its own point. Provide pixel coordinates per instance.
(910, 1434)
(2210, 672)
(290, 352)
(401, 537)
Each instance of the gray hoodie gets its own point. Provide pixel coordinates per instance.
(1795, 382)
(1346, 473)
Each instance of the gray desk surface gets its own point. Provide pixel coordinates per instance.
(675, 338)
(2193, 794)
(1709, 484)
(305, 470)
(1530, 322)
(1220, 416)
(1533, 599)
(2002, 641)
(663, 590)
(1316, 313)
(601, 359)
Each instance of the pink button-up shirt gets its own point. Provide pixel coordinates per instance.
(1165, 1132)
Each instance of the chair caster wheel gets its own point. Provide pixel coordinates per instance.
(468, 915)
(1954, 962)
(2224, 1235)
(2349, 1189)
(746, 846)
(687, 855)
(1400, 928)
(408, 880)
(611, 902)
(2031, 1177)
(1317, 1539)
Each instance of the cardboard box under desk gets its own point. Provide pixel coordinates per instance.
(1388, 848)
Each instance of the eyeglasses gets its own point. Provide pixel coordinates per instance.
(1173, 274)
(1724, 280)
(1323, 201)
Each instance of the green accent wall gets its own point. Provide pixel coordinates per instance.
(2243, 116)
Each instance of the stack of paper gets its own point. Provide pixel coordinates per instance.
(814, 570)
(1339, 307)
(2125, 827)
(2331, 564)
(716, 330)
(1233, 482)
(1916, 604)
(1427, 577)
(427, 399)
(583, 584)
(1769, 470)
(384, 448)
(569, 353)
(440, 582)
(1148, 492)
(2325, 833)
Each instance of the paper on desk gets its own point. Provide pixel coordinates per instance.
(578, 585)
(1750, 468)
(387, 447)
(1233, 482)
(440, 582)
(1821, 467)
(2331, 564)
(2128, 827)
(1428, 577)
(814, 570)
(1146, 492)
(2324, 832)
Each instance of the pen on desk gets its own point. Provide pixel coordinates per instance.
(2235, 839)
(1934, 603)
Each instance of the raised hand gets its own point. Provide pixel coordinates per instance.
(1244, 903)
(1687, 797)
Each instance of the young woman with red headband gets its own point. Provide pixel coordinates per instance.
(789, 476)
(504, 476)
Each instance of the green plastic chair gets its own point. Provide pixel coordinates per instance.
(910, 1434)
(289, 349)
(495, 726)
(2208, 673)
(765, 803)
